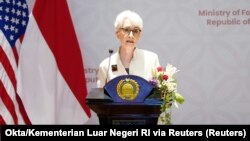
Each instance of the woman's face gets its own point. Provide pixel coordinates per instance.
(128, 35)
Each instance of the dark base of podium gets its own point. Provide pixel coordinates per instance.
(113, 113)
(128, 120)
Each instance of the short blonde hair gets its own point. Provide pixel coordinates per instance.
(133, 17)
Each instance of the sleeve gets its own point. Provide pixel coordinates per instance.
(157, 62)
(101, 76)
(154, 63)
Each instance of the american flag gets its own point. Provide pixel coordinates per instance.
(13, 22)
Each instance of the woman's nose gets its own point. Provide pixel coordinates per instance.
(131, 34)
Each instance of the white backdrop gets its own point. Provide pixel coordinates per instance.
(213, 59)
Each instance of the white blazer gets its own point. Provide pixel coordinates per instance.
(142, 64)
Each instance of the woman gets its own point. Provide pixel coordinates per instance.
(129, 59)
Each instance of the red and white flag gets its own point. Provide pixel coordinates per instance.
(51, 81)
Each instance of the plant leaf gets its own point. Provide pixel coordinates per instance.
(179, 98)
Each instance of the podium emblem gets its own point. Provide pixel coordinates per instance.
(127, 89)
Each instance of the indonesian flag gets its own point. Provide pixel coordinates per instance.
(51, 81)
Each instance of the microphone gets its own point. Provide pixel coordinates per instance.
(110, 53)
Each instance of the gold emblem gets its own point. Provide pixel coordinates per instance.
(127, 89)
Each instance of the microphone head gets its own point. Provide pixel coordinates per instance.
(110, 51)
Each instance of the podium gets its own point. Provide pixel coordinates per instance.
(125, 100)
(113, 113)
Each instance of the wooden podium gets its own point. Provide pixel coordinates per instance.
(116, 113)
